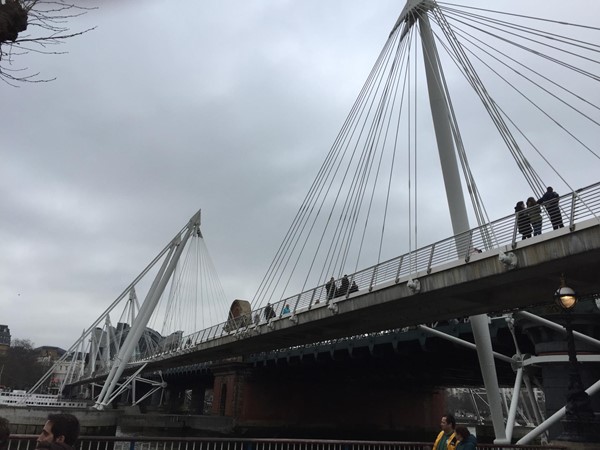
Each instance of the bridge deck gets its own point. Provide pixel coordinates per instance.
(482, 285)
(450, 287)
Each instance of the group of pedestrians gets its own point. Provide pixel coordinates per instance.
(333, 290)
(454, 437)
(529, 216)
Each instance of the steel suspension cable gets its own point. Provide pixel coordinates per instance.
(319, 184)
(527, 30)
(380, 68)
(542, 111)
(394, 82)
(411, 257)
(415, 151)
(530, 175)
(557, 61)
(395, 148)
(476, 199)
(534, 104)
(464, 33)
(334, 173)
(362, 166)
(558, 22)
(524, 136)
(386, 109)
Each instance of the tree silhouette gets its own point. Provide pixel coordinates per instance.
(33, 26)
(20, 366)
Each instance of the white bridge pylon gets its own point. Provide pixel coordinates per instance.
(175, 248)
(416, 12)
(183, 296)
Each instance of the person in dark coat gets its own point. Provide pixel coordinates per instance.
(268, 312)
(550, 202)
(523, 222)
(353, 287)
(535, 215)
(466, 441)
(344, 286)
(330, 288)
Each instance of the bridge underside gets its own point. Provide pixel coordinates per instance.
(410, 357)
(483, 285)
(414, 361)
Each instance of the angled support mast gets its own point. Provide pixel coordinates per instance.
(416, 11)
(139, 325)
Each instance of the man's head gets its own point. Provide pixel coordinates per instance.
(448, 423)
(60, 428)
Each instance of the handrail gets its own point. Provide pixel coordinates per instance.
(28, 442)
(575, 207)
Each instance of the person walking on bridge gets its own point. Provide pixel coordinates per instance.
(446, 440)
(269, 313)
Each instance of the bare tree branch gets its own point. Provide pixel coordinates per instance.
(33, 26)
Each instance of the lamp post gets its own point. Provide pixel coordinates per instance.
(579, 415)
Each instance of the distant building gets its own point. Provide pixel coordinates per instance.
(48, 356)
(4, 339)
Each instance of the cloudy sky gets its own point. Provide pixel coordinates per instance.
(225, 105)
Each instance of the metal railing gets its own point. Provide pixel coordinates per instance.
(26, 442)
(575, 207)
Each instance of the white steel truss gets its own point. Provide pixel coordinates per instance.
(108, 350)
(523, 382)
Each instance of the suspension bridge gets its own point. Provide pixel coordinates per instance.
(351, 261)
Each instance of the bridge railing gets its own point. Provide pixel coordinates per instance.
(575, 207)
(25, 442)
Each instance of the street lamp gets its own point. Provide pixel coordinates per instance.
(579, 413)
(565, 297)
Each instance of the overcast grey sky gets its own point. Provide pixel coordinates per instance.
(168, 107)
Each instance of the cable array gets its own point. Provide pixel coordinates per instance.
(364, 204)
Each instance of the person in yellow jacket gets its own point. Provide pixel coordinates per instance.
(446, 440)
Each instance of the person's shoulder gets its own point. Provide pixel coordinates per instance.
(53, 446)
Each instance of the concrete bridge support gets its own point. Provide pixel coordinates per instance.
(174, 399)
(197, 401)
